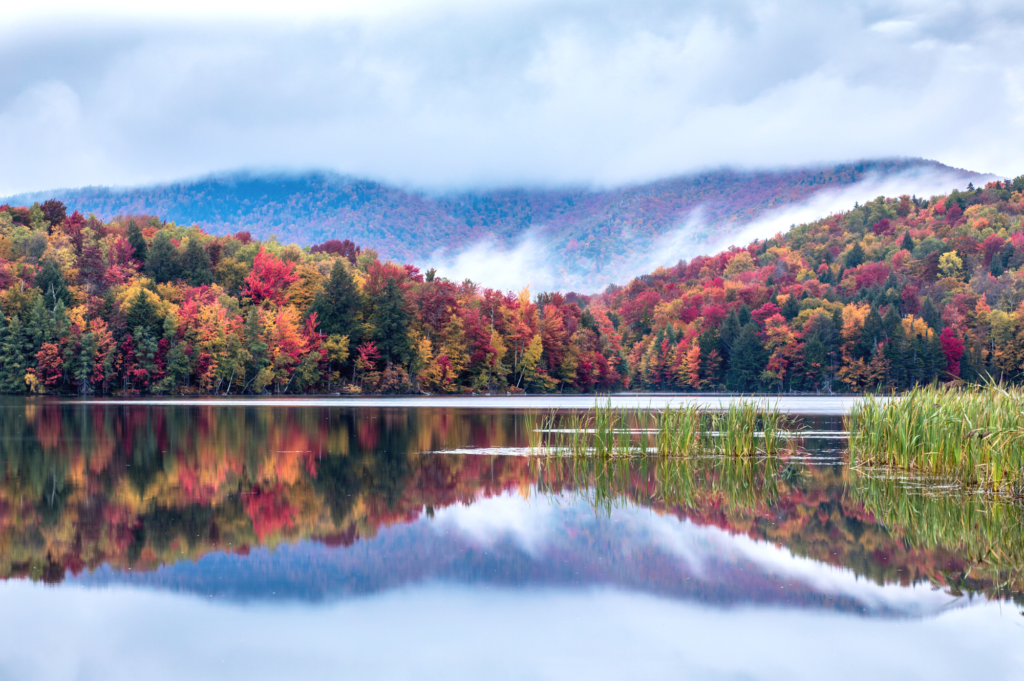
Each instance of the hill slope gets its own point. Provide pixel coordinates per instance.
(588, 237)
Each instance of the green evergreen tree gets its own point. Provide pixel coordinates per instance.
(50, 281)
(935, 362)
(710, 342)
(39, 326)
(854, 256)
(870, 336)
(892, 330)
(744, 315)
(995, 267)
(13, 358)
(163, 263)
(815, 362)
(791, 308)
(390, 321)
(338, 306)
(930, 315)
(146, 348)
(84, 360)
(177, 371)
(138, 242)
(747, 361)
(142, 313)
(255, 347)
(1006, 254)
(195, 264)
(907, 244)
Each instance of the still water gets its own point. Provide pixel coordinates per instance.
(412, 539)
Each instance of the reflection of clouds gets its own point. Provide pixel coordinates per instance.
(456, 632)
(528, 523)
(699, 545)
(543, 525)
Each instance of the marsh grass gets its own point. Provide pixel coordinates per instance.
(972, 435)
(744, 429)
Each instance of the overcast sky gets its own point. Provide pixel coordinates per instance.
(456, 94)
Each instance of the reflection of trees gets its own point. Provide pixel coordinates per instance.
(83, 485)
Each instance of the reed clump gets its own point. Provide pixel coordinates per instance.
(743, 429)
(972, 435)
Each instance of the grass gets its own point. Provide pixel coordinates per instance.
(744, 429)
(972, 435)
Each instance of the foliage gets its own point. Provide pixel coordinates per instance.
(893, 294)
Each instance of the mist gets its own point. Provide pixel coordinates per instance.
(530, 261)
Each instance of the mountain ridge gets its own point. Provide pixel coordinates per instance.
(589, 235)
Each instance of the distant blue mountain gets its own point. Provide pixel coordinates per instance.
(589, 233)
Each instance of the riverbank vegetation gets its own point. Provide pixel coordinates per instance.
(895, 293)
(742, 429)
(973, 435)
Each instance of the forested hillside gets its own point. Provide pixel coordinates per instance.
(590, 237)
(890, 294)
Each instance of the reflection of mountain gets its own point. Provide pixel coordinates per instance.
(145, 487)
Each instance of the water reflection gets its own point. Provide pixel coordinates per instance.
(254, 503)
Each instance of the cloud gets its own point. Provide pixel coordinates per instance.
(454, 94)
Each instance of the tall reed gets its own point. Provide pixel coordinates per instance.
(743, 429)
(974, 435)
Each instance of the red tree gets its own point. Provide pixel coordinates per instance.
(269, 278)
(953, 347)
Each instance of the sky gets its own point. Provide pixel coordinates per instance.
(449, 94)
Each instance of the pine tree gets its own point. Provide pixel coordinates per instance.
(791, 308)
(930, 315)
(177, 371)
(870, 335)
(50, 281)
(83, 364)
(254, 345)
(710, 344)
(39, 327)
(747, 361)
(908, 243)
(995, 268)
(195, 264)
(162, 263)
(338, 306)
(142, 313)
(14, 358)
(390, 320)
(815, 361)
(138, 242)
(744, 315)
(854, 256)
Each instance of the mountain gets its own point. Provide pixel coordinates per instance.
(589, 237)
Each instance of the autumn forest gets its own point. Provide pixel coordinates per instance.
(891, 294)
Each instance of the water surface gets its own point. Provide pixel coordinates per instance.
(234, 539)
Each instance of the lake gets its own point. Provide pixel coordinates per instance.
(418, 538)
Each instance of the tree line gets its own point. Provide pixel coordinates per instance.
(894, 293)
